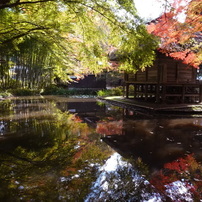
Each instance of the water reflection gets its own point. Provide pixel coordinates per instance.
(119, 181)
(50, 154)
(46, 154)
(168, 151)
(156, 141)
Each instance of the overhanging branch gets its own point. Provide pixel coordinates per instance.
(18, 3)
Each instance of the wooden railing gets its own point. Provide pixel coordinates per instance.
(183, 93)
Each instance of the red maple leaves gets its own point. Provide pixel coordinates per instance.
(180, 39)
(187, 170)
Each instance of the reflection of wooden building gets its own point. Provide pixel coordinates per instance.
(157, 141)
(168, 80)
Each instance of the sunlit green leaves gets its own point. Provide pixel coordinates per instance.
(72, 37)
(141, 54)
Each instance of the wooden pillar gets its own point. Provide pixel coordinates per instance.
(125, 76)
(146, 92)
(157, 92)
(135, 90)
(183, 93)
(142, 90)
(159, 69)
(177, 71)
(127, 90)
(164, 93)
(200, 93)
(146, 76)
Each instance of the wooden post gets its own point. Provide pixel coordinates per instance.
(158, 84)
(146, 76)
(135, 90)
(177, 71)
(146, 92)
(157, 92)
(164, 93)
(127, 89)
(183, 93)
(200, 93)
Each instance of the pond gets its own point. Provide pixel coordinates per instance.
(71, 149)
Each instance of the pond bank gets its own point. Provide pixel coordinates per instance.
(154, 108)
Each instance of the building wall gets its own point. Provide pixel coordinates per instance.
(165, 70)
(168, 80)
(90, 82)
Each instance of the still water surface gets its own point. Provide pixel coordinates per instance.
(70, 149)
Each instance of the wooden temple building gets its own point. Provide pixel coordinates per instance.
(167, 81)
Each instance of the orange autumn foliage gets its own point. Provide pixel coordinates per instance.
(187, 57)
(180, 40)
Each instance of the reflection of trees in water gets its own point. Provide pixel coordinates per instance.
(110, 128)
(55, 157)
(5, 107)
(186, 172)
(119, 181)
(157, 142)
(49, 158)
(180, 180)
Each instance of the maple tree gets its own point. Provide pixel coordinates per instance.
(180, 39)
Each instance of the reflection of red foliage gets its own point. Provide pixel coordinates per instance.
(110, 128)
(77, 119)
(182, 164)
(159, 180)
(183, 168)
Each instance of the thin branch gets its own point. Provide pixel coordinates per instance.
(21, 35)
(18, 3)
(96, 10)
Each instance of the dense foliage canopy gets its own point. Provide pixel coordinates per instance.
(49, 38)
(41, 40)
